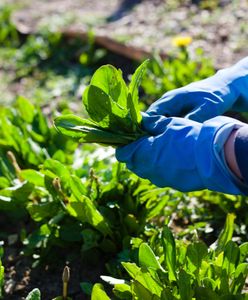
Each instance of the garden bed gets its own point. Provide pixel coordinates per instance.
(48, 181)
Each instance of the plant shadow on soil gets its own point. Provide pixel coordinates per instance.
(21, 276)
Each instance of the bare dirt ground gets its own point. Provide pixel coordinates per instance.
(219, 27)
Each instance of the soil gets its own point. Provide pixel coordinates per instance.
(22, 276)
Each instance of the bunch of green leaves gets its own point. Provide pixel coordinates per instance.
(113, 108)
(184, 270)
(174, 72)
(1, 272)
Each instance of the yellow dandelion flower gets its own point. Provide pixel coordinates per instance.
(182, 41)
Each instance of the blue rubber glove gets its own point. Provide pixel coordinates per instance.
(205, 99)
(183, 154)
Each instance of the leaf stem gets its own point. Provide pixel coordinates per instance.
(14, 163)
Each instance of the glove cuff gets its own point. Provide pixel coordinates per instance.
(210, 158)
(241, 151)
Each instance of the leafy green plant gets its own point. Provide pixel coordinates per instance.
(41, 176)
(113, 108)
(185, 270)
(102, 208)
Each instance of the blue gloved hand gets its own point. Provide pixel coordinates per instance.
(205, 99)
(183, 154)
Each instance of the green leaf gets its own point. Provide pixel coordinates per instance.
(73, 126)
(184, 283)
(144, 278)
(106, 112)
(109, 79)
(147, 258)
(42, 211)
(132, 269)
(57, 168)
(98, 293)
(87, 131)
(40, 124)
(148, 282)
(195, 254)
(158, 207)
(108, 138)
(122, 291)
(231, 258)
(26, 109)
(34, 295)
(240, 277)
(226, 233)
(169, 248)
(133, 98)
(203, 293)
(4, 182)
(85, 211)
(167, 295)
(19, 193)
(210, 283)
(243, 251)
(140, 292)
(77, 187)
(6, 169)
(33, 176)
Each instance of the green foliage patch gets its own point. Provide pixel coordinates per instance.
(185, 270)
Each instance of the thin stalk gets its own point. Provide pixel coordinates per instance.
(14, 163)
(65, 279)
